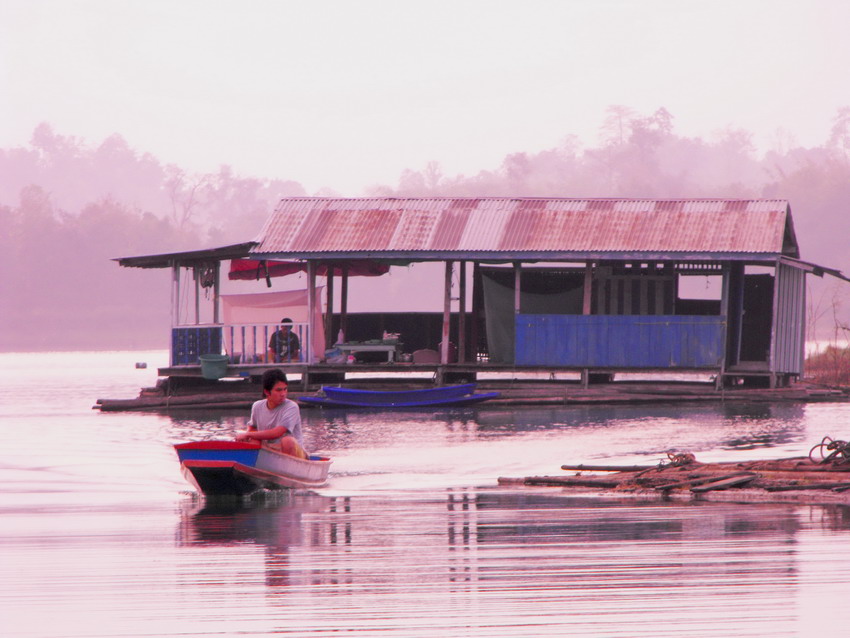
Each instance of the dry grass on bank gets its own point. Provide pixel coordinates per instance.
(830, 367)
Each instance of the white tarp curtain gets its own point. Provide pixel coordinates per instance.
(270, 308)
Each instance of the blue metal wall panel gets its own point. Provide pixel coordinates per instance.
(620, 341)
(188, 344)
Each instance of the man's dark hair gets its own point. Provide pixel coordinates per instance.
(272, 377)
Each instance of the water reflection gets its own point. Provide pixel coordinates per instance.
(762, 425)
(100, 536)
(755, 425)
(531, 563)
(346, 428)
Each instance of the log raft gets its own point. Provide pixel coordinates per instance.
(798, 479)
(184, 393)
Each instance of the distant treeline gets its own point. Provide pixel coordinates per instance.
(67, 208)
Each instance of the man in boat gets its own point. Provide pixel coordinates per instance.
(275, 420)
(284, 344)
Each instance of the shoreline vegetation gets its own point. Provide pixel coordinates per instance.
(831, 367)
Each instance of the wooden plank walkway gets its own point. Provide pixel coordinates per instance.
(187, 393)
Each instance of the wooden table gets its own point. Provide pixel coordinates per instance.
(390, 348)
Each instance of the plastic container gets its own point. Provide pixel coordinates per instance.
(213, 366)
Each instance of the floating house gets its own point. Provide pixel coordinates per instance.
(594, 286)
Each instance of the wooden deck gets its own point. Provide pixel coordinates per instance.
(314, 375)
(189, 390)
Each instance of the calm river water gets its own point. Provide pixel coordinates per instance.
(101, 536)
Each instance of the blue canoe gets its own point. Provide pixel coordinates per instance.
(430, 397)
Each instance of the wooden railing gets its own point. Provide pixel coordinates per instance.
(243, 343)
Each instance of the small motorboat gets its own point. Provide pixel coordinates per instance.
(217, 468)
(449, 395)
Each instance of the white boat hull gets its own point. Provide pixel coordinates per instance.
(222, 468)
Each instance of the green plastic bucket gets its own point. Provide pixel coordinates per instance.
(213, 366)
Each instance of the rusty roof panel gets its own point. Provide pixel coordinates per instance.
(532, 225)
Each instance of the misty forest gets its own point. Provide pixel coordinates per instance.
(68, 206)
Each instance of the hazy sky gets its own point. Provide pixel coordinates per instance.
(347, 94)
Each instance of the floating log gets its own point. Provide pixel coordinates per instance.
(702, 479)
(763, 480)
(572, 481)
(608, 468)
(838, 487)
(229, 405)
(731, 481)
(158, 402)
(796, 465)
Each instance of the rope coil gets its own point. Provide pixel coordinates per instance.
(682, 458)
(830, 451)
(676, 460)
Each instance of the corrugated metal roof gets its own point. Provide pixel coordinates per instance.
(187, 258)
(445, 227)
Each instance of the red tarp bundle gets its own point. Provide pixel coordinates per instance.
(249, 269)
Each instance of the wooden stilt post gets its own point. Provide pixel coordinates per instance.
(517, 300)
(447, 310)
(329, 311)
(517, 286)
(196, 274)
(175, 307)
(586, 306)
(311, 311)
(217, 293)
(461, 315)
(343, 302)
(477, 298)
(586, 309)
(725, 297)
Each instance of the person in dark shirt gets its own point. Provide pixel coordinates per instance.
(284, 344)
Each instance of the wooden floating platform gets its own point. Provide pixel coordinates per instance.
(796, 479)
(183, 393)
